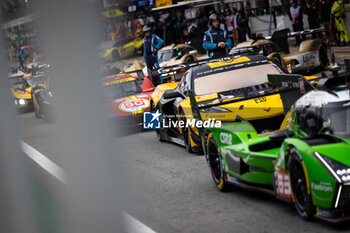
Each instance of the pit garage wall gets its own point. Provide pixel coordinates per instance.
(261, 24)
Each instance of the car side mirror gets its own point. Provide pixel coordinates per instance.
(170, 94)
(280, 135)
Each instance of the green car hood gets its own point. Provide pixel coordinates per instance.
(336, 151)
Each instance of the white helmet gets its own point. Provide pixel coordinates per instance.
(146, 28)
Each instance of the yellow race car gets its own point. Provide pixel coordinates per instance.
(22, 84)
(133, 48)
(215, 81)
(177, 54)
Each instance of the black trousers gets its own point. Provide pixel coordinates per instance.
(151, 62)
(297, 27)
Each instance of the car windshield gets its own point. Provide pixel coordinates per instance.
(166, 55)
(234, 79)
(42, 79)
(336, 118)
(121, 89)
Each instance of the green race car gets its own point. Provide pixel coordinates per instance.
(306, 162)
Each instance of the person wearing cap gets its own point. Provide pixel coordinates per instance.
(216, 40)
(296, 16)
(151, 44)
(190, 31)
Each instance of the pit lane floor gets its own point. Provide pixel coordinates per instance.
(170, 190)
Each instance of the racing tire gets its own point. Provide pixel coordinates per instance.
(158, 133)
(189, 59)
(186, 133)
(36, 110)
(299, 185)
(115, 55)
(216, 165)
(323, 57)
(187, 140)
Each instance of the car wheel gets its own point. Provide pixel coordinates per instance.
(36, 108)
(187, 139)
(216, 165)
(158, 133)
(324, 62)
(189, 59)
(37, 112)
(186, 133)
(299, 184)
(115, 55)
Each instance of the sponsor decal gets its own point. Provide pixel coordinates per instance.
(260, 99)
(301, 85)
(142, 96)
(228, 62)
(309, 60)
(134, 105)
(151, 120)
(118, 81)
(226, 138)
(210, 123)
(173, 121)
(282, 183)
(322, 186)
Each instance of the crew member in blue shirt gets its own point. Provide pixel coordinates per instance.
(151, 44)
(216, 40)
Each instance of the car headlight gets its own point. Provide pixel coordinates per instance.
(21, 102)
(215, 110)
(339, 171)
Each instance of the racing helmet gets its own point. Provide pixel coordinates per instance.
(212, 18)
(146, 28)
(321, 111)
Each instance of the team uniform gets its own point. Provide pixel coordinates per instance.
(338, 12)
(149, 44)
(211, 39)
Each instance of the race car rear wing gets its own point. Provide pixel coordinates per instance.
(175, 72)
(280, 37)
(246, 50)
(301, 33)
